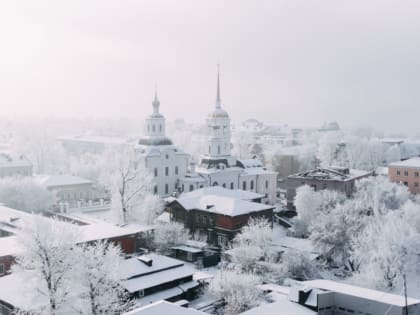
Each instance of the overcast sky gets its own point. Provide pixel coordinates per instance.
(298, 62)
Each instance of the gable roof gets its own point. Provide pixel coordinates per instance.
(50, 181)
(221, 205)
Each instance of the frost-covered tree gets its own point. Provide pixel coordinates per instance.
(98, 274)
(309, 205)
(130, 183)
(328, 148)
(48, 256)
(297, 265)
(252, 244)
(386, 249)
(170, 234)
(239, 291)
(26, 194)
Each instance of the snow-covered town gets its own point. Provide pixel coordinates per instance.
(140, 177)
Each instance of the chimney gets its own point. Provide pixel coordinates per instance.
(148, 261)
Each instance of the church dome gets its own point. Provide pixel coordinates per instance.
(218, 113)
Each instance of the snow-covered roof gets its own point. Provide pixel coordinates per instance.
(7, 160)
(89, 230)
(133, 267)
(222, 192)
(22, 291)
(50, 181)
(164, 308)
(221, 205)
(281, 307)
(248, 163)
(363, 293)
(332, 174)
(9, 246)
(167, 294)
(189, 249)
(414, 162)
(157, 278)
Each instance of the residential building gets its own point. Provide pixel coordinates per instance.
(14, 166)
(219, 168)
(68, 188)
(332, 297)
(334, 178)
(152, 277)
(406, 173)
(130, 239)
(165, 161)
(216, 212)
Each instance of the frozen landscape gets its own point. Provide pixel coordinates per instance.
(208, 157)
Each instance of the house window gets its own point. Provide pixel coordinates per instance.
(224, 185)
(176, 170)
(231, 185)
(243, 185)
(398, 173)
(252, 184)
(221, 240)
(167, 171)
(167, 156)
(189, 256)
(405, 183)
(191, 187)
(156, 172)
(266, 184)
(416, 174)
(218, 149)
(141, 293)
(405, 173)
(416, 184)
(155, 190)
(166, 188)
(1, 269)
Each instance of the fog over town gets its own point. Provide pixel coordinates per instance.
(209, 157)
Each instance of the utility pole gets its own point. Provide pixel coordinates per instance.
(405, 294)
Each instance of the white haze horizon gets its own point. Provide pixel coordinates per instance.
(286, 62)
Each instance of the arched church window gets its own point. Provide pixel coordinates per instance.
(160, 128)
(153, 128)
(243, 185)
(176, 170)
(218, 149)
(231, 185)
(252, 184)
(215, 184)
(224, 185)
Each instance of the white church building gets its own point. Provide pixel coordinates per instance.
(166, 161)
(219, 168)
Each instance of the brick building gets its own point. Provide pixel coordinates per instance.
(334, 178)
(217, 212)
(407, 173)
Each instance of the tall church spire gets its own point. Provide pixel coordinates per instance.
(156, 103)
(218, 100)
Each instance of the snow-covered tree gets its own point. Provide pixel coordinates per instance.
(307, 203)
(252, 244)
(328, 148)
(386, 249)
(98, 274)
(170, 234)
(238, 290)
(297, 265)
(48, 256)
(26, 194)
(129, 182)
